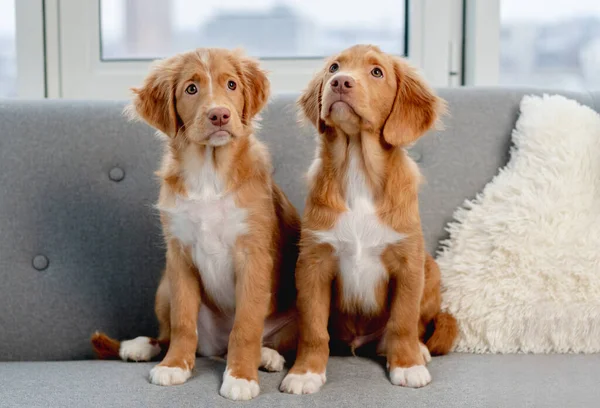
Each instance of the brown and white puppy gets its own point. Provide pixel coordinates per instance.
(363, 270)
(231, 234)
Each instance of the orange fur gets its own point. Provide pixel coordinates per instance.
(105, 347)
(445, 331)
(265, 255)
(374, 118)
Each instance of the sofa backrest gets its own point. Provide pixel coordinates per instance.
(80, 242)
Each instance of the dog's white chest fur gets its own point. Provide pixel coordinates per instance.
(209, 222)
(359, 238)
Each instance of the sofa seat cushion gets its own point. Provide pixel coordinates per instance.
(459, 380)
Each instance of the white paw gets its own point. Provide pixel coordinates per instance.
(413, 377)
(308, 383)
(238, 388)
(138, 349)
(271, 360)
(162, 375)
(425, 352)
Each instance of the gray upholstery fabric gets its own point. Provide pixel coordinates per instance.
(81, 249)
(511, 381)
(101, 237)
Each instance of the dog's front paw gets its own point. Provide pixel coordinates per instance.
(414, 377)
(307, 383)
(164, 375)
(238, 388)
(425, 352)
(271, 360)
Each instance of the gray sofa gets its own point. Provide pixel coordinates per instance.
(81, 250)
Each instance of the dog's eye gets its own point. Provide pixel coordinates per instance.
(231, 85)
(191, 89)
(334, 67)
(377, 72)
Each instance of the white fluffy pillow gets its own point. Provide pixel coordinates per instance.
(521, 269)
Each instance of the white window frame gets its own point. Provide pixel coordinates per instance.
(30, 46)
(74, 68)
(482, 43)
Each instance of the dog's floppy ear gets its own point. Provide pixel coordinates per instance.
(415, 109)
(257, 88)
(154, 102)
(310, 102)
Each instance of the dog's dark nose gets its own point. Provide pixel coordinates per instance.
(219, 116)
(342, 83)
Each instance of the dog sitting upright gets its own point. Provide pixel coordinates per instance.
(363, 270)
(231, 234)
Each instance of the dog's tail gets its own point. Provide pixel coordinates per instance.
(138, 349)
(105, 347)
(445, 331)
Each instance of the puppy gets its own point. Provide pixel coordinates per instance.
(231, 234)
(362, 268)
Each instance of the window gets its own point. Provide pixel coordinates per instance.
(148, 29)
(105, 46)
(550, 43)
(8, 53)
(99, 49)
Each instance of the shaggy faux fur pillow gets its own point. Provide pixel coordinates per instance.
(521, 269)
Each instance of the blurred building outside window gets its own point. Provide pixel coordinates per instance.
(148, 29)
(550, 44)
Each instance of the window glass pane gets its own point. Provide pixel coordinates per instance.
(550, 43)
(142, 29)
(8, 54)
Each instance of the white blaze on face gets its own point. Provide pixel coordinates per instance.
(205, 58)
